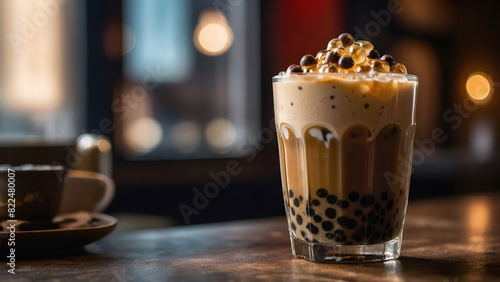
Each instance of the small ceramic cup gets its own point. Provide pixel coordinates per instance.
(37, 192)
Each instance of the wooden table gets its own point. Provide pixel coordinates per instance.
(449, 239)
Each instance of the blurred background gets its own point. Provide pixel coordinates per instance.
(173, 98)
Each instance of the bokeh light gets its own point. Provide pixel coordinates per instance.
(84, 142)
(143, 135)
(186, 136)
(213, 35)
(220, 134)
(104, 145)
(129, 39)
(479, 86)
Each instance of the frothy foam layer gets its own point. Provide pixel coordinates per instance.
(338, 101)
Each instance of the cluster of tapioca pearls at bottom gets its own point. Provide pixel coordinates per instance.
(358, 219)
(344, 55)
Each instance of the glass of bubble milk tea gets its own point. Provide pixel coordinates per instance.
(345, 122)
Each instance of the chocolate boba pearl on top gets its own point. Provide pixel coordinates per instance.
(294, 68)
(373, 54)
(389, 59)
(308, 61)
(345, 55)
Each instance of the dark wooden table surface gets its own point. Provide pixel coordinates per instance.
(449, 239)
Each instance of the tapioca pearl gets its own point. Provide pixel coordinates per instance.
(370, 217)
(298, 218)
(330, 213)
(357, 54)
(332, 57)
(343, 204)
(303, 233)
(348, 243)
(366, 45)
(321, 55)
(330, 235)
(329, 68)
(339, 232)
(340, 239)
(353, 196)
(317, 218)
(382, 212)
(308, 61)
(357, 237)
(327, 225)
(381, 222)
(376, 207)
(346, 62)
(369, 230)
(384, 196)
(290, 193)
(310, 212)
(346, 222)
(346, 39)
(315, 203)
(389, 205)
(300, 198)
(389, 59)
(363, 218)
(379, 65)
(311, 227)
(334, 43)
(306, 239)
(399, 68)
(294, 69)
(387, 225)
(315, 241)
(367, 201)
(292, 210)
(322, 193)
(358, 212)
(332, 199)
(293, 226)
(373, 54)
(296, 202)
(364, 68)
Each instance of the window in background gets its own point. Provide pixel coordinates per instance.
(41, 78)
(191, 79)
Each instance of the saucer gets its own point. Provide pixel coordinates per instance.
(60, 239)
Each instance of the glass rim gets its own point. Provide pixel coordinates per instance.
(409, 77)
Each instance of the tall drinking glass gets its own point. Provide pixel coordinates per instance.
(345, 143)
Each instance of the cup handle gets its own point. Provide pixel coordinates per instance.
(86, 191)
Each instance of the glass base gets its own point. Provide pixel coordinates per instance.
(319, 252)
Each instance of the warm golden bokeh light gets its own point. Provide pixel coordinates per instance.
(213, 35)
(479, 86)
(143, 135)
(104, 146)
(478, 217)
(220, 134)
